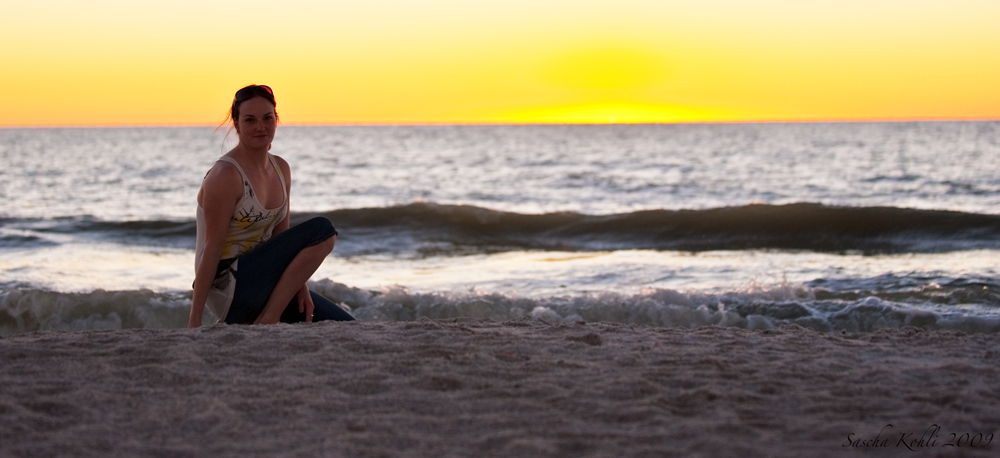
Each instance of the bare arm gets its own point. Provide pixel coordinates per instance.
(220, 192)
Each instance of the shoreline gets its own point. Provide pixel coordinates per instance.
(467, 387)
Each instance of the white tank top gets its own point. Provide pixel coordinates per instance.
(250, 225)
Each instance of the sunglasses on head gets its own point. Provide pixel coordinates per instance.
(250, 92)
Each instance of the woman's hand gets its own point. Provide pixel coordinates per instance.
(305, 303)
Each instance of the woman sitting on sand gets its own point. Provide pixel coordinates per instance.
(250, 267)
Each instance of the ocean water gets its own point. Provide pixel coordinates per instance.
(832, 226)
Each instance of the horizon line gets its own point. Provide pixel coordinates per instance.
(511, 123)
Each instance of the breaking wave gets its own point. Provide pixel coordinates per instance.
(26, 310)
(427, 229)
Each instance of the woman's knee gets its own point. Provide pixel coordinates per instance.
(327, 245)
(322, 230)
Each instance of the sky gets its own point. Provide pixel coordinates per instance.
(110, 62)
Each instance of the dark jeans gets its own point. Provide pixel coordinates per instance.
(259, 269)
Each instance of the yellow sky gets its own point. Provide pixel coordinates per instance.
(108, 62)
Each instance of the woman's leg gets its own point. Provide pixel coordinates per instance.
(325, 310)
(293, 279)
(276, 265)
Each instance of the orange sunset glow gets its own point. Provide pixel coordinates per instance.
(446, 61)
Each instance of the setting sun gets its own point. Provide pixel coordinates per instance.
(446, 61)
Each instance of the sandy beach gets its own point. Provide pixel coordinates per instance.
(483, 388)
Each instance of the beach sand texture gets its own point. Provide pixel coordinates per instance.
(469, 387)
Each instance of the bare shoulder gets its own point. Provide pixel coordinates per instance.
(221, 185)
(285, 168)
(222, 175)
(282, 163)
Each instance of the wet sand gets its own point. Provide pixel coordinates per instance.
(482, 388)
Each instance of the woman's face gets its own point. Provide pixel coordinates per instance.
(256, 123)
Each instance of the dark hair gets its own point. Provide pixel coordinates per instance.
(248, 93)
